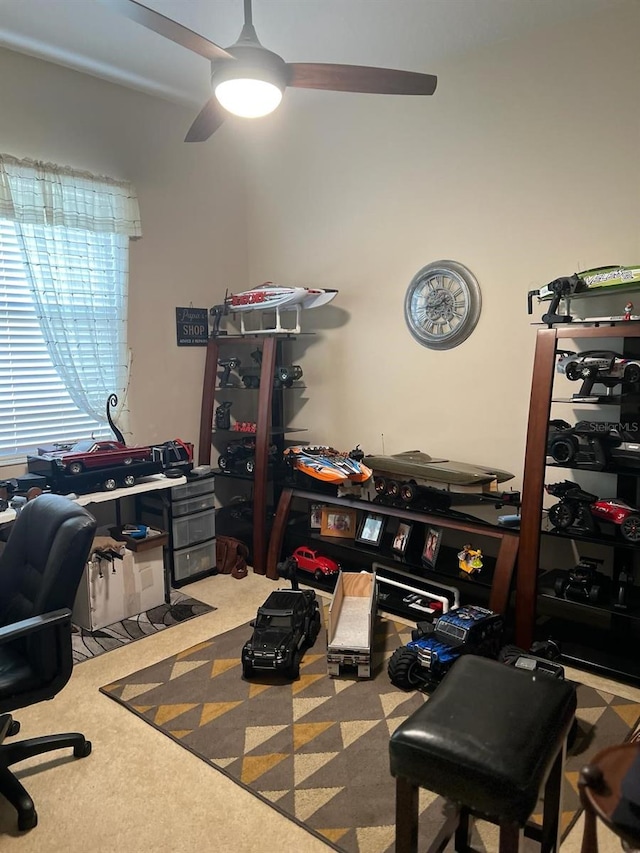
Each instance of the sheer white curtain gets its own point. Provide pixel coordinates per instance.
(74, 230)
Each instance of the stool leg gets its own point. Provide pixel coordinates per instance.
(406, 816)
(463, 832)
(509, 838)
(590, 833)
(553, 804)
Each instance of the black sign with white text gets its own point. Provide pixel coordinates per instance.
(192, 327)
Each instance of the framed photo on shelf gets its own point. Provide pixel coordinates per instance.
(401, 539)
(370, 532)
(315, 516)
(431, 546)
(338, 521)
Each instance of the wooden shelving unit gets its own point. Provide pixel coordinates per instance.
(269, 421)
(548, 342)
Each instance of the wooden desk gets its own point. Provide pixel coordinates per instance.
(151, 483)
(146, 484)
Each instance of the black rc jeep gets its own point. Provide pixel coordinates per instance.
(287, 623)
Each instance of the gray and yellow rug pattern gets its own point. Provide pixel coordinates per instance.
(316, 749)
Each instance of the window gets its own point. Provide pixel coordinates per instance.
(64, 239)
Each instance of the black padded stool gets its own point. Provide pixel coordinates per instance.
(487, 741)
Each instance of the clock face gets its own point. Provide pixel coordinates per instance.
(442, 305)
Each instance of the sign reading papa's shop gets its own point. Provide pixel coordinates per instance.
(192, 327)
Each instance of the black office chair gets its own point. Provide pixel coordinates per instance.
(40, 570)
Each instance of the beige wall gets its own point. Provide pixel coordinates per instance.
(192, 204)
(524, 166)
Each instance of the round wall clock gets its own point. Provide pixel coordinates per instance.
(442, 305)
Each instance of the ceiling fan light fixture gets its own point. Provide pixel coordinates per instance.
(248, 96)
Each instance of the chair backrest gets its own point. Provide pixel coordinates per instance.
(43, 560)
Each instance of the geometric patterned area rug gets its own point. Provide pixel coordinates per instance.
(90, 644)
(316, 749)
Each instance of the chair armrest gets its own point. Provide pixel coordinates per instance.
(33, 625)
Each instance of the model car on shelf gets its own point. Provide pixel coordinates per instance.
(286, 624)
(584, 583)
(308, 560)
(605, 366)
(435, 646)
(584, 512)
(88, 454)
(592, 445)
(240, 456)
(328, 465)
(172, 458)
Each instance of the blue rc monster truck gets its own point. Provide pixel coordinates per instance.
(436, 646)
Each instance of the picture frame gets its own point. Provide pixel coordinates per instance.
(371, 529)
(432, 540)
(401, 538)
(315, 516)
(338, 521)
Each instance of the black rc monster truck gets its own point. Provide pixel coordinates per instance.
(287, 623)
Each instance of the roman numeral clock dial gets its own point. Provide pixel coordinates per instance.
(442, 305)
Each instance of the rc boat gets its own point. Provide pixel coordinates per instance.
(270, 297)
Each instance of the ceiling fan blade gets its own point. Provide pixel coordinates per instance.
(168, 28)
(207, 121)
(359, 78)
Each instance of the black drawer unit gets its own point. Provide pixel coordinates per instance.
(188, 513)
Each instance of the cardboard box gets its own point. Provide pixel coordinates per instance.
(109, 592)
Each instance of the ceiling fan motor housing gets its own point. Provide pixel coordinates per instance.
(253, 62)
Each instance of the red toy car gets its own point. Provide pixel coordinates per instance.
(88, 454)
(312, 561)
(581, 510)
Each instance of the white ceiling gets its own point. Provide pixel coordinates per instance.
(416, 35)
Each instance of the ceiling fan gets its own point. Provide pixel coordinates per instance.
(249, 80)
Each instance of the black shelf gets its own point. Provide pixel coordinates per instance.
(273, 431)
(603, 609)
(576, 536)
(594, 648)
(295, 387)
(618, 472)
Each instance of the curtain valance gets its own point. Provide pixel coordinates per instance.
(35, 193)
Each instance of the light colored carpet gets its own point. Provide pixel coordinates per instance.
(141, 791)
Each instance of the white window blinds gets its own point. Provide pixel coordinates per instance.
(64, 255)
(35, 407)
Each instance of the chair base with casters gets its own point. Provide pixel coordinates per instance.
(489, 741)
(12, 753)
(603, 794)
(40, 570)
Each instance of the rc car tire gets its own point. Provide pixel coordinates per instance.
(561, 516)
(630, 528)
(632, 374)
(594, 593)
(380, 485)
(563, 451)
(404, 669)
(294, 669)
(223, 463)
(559, 587)
(572, 371)
(76, 468)
(247, 669)
(250, 465)
(110, 484)
(129, 480)
(318, 575)
(314, 628)
(408, 492)
(393, 489)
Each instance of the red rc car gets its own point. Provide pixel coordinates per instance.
(582, 510)
(317, 564)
